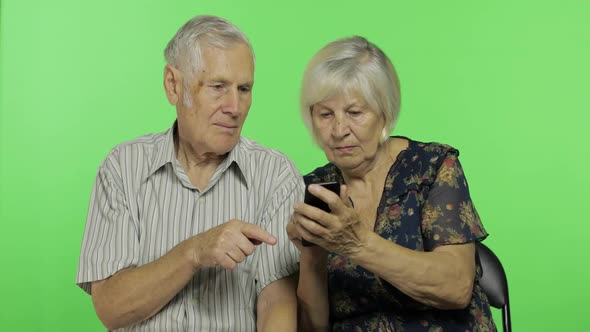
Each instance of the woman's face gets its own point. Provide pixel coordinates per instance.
(348, 131)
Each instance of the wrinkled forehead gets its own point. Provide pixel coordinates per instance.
(235, 61)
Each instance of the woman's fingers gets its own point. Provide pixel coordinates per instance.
(307, 235)
(313, 213)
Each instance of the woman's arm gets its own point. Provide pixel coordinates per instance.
(442, 278)
(276, 308)
(312, 288)
(312, 293)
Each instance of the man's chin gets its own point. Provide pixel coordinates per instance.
(225, 144)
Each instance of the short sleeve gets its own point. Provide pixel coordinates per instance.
(280, 260)
(448, 215)
(110, 240)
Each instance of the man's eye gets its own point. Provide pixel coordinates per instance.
(217, 87)
(245, 89)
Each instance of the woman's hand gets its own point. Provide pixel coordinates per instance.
(311, 252)
(340, 231)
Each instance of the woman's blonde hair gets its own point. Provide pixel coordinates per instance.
(347, 66)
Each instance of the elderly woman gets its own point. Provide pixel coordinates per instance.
(396, 252)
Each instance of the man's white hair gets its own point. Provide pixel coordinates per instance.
(184, 50)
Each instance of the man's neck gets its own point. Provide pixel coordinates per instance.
(198, 165)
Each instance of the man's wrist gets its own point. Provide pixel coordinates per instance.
(188, 254)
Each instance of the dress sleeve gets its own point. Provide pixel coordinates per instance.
(110, 240)
(448, 215)
(280, 260)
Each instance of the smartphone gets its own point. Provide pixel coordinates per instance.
(315, 201)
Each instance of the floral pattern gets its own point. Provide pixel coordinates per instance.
(425, 204)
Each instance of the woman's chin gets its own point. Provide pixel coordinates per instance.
(345, 163)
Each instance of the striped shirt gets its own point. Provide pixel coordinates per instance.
(143, 204)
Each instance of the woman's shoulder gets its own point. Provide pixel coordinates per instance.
(421, 161)
(326, 173)
(429, 149)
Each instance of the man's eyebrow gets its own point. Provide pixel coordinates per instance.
(225, 81)
(217, 80)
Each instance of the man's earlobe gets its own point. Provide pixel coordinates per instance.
(171, 84)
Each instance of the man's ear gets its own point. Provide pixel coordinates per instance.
(172, 84)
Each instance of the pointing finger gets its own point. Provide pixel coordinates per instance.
(254, 232)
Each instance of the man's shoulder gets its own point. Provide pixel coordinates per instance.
(264, 162)
(134, 152)
(253, 153)
(254, 148)
(147, 141)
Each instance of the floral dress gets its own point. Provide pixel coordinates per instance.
(425, 204)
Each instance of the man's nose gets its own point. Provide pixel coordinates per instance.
(231, 102)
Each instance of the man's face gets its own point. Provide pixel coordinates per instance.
(221, 94)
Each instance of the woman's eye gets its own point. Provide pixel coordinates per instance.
(354, 113)
(325, 114)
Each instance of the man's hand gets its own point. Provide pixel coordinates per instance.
(228, 244)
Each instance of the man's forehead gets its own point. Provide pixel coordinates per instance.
(227, 64)
(240, 50)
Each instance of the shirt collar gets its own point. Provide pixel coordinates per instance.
(166, 153)
(238, 156)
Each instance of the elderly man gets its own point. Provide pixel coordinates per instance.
(186, 228)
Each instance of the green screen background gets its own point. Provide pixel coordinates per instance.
(504, 81)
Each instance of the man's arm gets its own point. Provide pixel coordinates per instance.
(277, 300)
(133, 295)
(277, 306)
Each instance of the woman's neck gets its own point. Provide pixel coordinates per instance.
(372, 170)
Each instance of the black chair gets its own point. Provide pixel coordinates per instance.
(494, 283)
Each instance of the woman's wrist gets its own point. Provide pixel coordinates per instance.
(316, 258)
(365, 249)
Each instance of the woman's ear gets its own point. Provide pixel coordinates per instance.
(384, 135)
(172, 84)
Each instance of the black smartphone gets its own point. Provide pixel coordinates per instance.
(315, 201)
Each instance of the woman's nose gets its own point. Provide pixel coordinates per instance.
(340, 127)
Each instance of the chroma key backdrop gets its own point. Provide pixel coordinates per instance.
(506, 82)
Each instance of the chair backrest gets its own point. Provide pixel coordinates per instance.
(494, 283)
